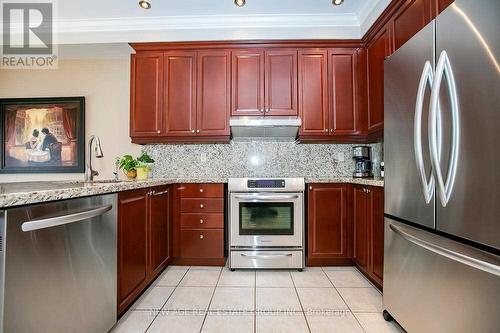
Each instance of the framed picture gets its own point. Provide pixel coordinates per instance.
(42, 135)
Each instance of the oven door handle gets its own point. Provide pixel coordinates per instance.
(267, 197)
(266, 256)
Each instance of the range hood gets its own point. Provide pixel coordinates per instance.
(265, 128)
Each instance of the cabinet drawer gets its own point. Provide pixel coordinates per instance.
(198, 243)
(201, 190)
(192, 205)
(203, 221)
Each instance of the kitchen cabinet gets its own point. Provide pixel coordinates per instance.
(199, 224)
(213, 103)
(264, 82)
(247, 83)
(146, 94)
(281, 82)
(376, 51)
(313, 92)
(180, 93)
(443, 4)
(342, 75)
(411, 17)
(328, 94)
(368, 223)
(144, 240)
(328, 225)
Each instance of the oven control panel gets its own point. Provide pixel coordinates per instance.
(266, 183)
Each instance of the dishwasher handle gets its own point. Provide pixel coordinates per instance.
(65, 219)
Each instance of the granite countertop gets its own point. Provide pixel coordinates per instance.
(25, 193)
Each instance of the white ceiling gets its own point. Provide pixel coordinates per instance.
(115, 22)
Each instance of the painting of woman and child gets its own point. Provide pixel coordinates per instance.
(42, 135)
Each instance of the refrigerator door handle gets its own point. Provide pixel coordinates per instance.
(433, 246)
(444, 188)
(426, 79)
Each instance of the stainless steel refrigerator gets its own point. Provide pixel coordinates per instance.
(442, 174)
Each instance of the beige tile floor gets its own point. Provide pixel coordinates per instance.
(213, 299)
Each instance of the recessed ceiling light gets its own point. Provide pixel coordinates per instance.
(337, 2)
(240, 3)
(144, 4)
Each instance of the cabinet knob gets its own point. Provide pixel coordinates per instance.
(201, 236)
(331, 130)
(201, 190)
(197, 131)
(192, 131)
(310, 187)
(201, 206)
(326, 129)
(201, 221)
(158, 131)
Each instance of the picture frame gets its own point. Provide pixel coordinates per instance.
(42, 135)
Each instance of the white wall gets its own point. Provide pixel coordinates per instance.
(105, 85)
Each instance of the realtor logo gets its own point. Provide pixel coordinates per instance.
(27, 35)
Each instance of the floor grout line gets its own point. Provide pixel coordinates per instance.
(300, 302)
(255, 302)
(175, 288)
(210, 302)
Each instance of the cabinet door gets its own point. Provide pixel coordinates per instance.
(281, 83)
(342, 64)
(146, 94)
(376, 215)
(409, 19)
(180, 93)
(214, 93)
(378, 49)
(327, 225)
(247, 83)
(313, 92)
(360, 219)
(132, 245)
(443, 4)
(159, 229)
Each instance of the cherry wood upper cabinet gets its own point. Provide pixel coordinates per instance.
(180, 93)
(132, 245)
(281, 83)
(376, 213)
(328, 225)
(410, 19)
(247, 83)
(342, 66)
(160, 234)
(214, 93)
(379, 48)
(313, 92)
(360, 221)
(146, 93)
(442, 4)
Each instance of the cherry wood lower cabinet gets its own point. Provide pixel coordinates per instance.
(328, 225)
(368, 220)
(198, 223)
(144, 240)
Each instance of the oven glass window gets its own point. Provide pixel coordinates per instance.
(263, 218)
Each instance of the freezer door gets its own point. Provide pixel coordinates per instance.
(433, 284)
(468, 50)
(409, 187)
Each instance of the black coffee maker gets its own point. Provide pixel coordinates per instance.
(362, 157)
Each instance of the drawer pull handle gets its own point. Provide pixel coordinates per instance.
(201, 236)
(201, 221)
(201, 206)
(201, 190)
(264, 256)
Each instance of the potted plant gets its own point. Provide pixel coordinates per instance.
(144, 166)
(129, 166)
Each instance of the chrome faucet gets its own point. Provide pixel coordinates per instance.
(89, 173)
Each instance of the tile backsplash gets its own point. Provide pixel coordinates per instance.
(257, 159)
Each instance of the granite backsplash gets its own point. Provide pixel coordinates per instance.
(256, 159)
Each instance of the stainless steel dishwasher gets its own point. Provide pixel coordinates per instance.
(58, 266)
